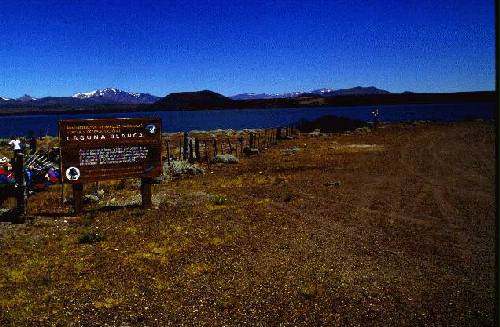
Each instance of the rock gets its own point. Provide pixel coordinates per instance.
(362, 130)
(250, 151)
(178, 168)
(225, 158)
(335, 183)
(292, 150)
(91, 198)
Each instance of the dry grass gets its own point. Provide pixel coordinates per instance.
(407, 239)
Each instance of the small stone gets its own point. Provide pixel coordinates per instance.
(335, 183)
(91, 198)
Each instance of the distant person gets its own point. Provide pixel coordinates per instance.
(28, 177)
(15, 143)
(375, 114)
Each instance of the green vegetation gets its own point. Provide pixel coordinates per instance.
(90, 236)
(219, 200)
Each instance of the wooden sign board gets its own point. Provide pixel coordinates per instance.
(116, 148)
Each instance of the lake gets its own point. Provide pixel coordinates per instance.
(177, 121)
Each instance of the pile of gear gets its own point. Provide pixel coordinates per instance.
(40, 172)
(7, 177)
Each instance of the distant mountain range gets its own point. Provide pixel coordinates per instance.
(97, 97)
(357, 96)
(325, 92)
(24, 98)
(115, 100)
(116, 96)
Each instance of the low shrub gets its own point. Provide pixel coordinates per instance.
(179, 168)
(225, 158)
(90, 236)
(219, 200)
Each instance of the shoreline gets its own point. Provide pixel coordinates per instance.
(180, 121)
(125, 109)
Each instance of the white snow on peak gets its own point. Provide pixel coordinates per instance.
(99, 93)
(323, 90)
(112, 94)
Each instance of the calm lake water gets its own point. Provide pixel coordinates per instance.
(176, 121)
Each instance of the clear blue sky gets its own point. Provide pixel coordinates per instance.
(61, 47)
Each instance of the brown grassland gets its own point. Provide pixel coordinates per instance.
(390, 228)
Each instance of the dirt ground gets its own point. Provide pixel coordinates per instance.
(391, 228)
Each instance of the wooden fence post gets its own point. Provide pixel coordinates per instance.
(180, 149)
(206, 149)
(77, 198)
(191, 151)
(206, 155)
(197, 149)
(185, 152)
(230, 146)
(146, 193)
(168, 152)
(215, 146)
(20, 188)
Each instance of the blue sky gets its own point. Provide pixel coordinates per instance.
(62, 47)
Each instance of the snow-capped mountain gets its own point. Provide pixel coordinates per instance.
(323, 91)
(326, 92)
(112, 95)
(26, 98)
(253, 96)
(4, 99)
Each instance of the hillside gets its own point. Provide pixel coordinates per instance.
(194, 100)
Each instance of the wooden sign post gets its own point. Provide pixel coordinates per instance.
(93, 150)
(20, 187)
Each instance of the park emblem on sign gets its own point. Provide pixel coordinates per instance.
(100, 149)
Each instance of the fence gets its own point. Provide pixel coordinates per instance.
(201, 148)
